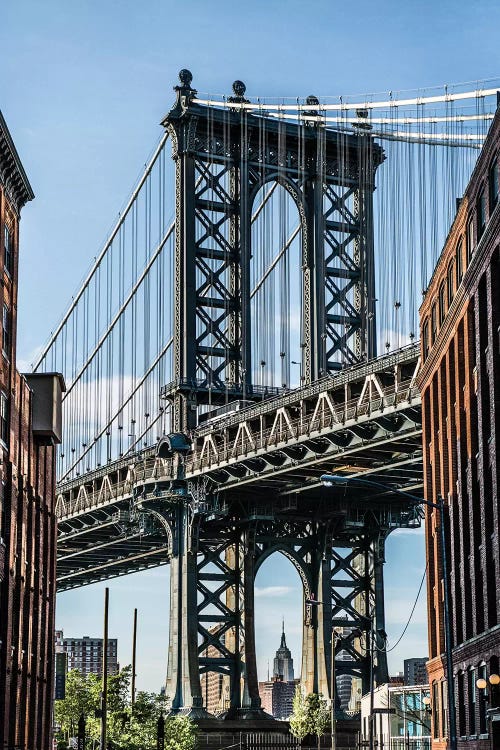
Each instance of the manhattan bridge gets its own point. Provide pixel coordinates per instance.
(250, 324)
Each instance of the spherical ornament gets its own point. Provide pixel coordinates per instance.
(185, 77)
(313, 100)
(239, 88)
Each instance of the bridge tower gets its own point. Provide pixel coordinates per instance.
(223, 158)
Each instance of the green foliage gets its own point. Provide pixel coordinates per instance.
(310, 715)
(180, 734)
(126, 730)
(318, 713)
(82, 697)
(299, 721)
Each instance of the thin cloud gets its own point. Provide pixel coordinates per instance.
(271, 591)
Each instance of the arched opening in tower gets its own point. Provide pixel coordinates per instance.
(276, 288)
(278, 633)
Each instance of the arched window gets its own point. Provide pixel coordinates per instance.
(481, 214)
(493, 183)
(425, 338)
(433, 323)
(459, 263)
(442, 304)
(451, 282)
(472, 700)
(462, 725)
(470, 240)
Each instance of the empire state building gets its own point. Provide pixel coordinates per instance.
(283, 662)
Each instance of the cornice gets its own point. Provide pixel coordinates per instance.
(12, 175)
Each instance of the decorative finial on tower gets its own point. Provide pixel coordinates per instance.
(185, 77)
(239, 89)
(184, 94)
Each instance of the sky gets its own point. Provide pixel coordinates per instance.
(83, 87)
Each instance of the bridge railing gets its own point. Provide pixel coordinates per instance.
(406, 354)
(349, 411)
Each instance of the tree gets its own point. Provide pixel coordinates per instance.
(127, 730)
(180, 733)
(299, 725)
(310, 715)
(82, 697)
(318, 715)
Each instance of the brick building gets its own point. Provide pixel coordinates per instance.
(276, 697)
(30, 417)
(214, 685)
(460, 384)
(85, 654)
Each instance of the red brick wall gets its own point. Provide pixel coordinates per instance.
(27, 592)
(460, 384)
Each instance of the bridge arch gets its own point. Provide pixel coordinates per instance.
(278, 605)
(293, 557)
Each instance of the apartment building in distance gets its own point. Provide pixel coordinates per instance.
(415, 672)
(460, 385)
(30, 426)
(86, 654)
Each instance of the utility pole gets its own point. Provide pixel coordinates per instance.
(104, 694)
(134, 648)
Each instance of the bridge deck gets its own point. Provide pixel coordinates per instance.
(366, 419)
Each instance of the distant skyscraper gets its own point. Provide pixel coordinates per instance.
(277, 694)
(283, 662)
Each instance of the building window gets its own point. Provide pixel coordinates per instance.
(450, 283)
(4, 418)
(444, 707)
(433, 323)
(6, 339)
(470, 241)
(493, 185)
(481, 214)
(459, 264)
(425, 339)
(8, 255)
(483, 702)
(435, 710)
(442, 304)
(461, 705)
(472, 701)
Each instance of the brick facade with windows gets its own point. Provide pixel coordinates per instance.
(27, 519)
(86, 654)
(460, 384)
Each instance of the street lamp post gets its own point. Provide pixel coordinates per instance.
(490, 688)
(330, 480)
(333, 690)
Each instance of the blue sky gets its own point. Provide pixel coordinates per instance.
(83, 86)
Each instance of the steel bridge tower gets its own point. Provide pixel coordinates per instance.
(222, 161)
(218, 541)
